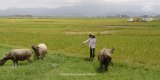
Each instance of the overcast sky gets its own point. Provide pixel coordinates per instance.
(145, 5)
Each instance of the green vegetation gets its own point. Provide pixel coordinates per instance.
(136, 46)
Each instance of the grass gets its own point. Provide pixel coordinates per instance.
(136, 56)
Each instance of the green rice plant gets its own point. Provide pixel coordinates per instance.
(136, 46)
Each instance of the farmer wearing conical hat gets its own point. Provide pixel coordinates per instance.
(92, 44)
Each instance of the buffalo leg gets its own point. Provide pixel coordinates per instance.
(101, 67)
(15, 63)
(29, 60)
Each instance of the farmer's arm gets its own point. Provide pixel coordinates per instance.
(86, 41)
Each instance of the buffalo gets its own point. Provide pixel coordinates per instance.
(104, 57)
(17, 55)
(40, 51)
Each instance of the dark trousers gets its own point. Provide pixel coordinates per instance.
(92, 53)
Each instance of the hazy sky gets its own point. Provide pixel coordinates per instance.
(146, 5)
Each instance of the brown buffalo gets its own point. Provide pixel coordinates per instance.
(104, 57)
(40, 51)
(17, 55)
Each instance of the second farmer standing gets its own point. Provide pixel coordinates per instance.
(92, 44)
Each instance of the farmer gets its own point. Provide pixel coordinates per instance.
(92, 43)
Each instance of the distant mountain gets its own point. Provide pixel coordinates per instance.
(84, 10)
(26, 11)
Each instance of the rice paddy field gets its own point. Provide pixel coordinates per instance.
(136, 57)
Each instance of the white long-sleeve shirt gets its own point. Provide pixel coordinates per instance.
(91, 41)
